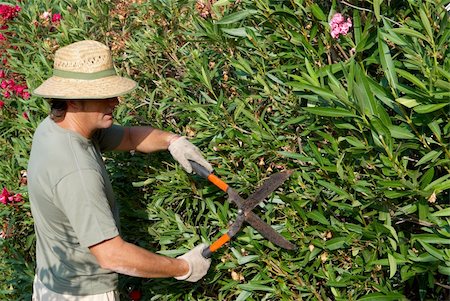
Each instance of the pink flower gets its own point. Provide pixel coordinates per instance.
(339, 26)
(4, 84)
(26, 95)
(18, 89)
(4, 197)
(9, 12)
(18, 198)
(45, 15)
(56, 18)
(2, 104)
(2, 74)
(6, 94)
(337, 18)
(2, 37)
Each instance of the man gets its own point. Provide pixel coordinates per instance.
(78, 245)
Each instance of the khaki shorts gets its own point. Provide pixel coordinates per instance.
(42, 293)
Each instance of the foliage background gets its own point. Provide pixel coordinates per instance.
(260, 86)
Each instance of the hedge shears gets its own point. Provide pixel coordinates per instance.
(245, 207)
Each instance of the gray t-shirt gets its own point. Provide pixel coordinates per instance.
(73, 207)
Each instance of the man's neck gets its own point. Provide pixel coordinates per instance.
(76, 124)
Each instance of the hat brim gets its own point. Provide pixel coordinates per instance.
(67, 88)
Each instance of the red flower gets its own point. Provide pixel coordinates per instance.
(56, 18)
(18, 89)
(2, 74)
(26, 95)
(18, 198)
(2, 104)
(25, 115)
(135, 295)
(9, 12)
(4, 197)
(6, 94)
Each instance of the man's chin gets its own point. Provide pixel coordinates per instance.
(107, 122)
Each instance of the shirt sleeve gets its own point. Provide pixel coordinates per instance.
(81, 196)
(110, 138)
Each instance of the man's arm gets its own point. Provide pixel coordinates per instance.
(145, 139)
(148, 139)
(122, 257)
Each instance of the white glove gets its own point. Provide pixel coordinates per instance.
(198, 265)
(183, 151)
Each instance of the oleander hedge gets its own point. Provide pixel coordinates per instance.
(357, 104)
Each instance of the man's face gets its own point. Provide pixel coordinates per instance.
(98, 114)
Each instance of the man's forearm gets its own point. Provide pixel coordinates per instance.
(145, 139)
(125, 258)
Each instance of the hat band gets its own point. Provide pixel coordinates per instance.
(82, 75)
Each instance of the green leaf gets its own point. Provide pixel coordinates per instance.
(364, 95)
(387, 62)
(393, 232)
(382, 297)
(426, 23)
(407, 102)
(392, 265)
(423, 109)
(440, 181)
(400, 132)
(376, 8)
(444, 270)
(312, 73)
(412, 78)
(337, 243)
(240, 32)
(338, 89)
(439, 254)
(255, 287)
(409, 32)
(394, 194)
(427, 178)
(296, 156)
(246, 259)
(434, 127)
(442, 212)
(317, 12)
(330, 112)
(430, 156)
(221, 3)
(395, 38)
(243, 65)
(318, 217)
(325, 93)
(237, 16)
(244, 295)
(357, 29)
(353, 142)
(433, 238)
(334, 188)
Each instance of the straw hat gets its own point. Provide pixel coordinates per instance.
(84, 70)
